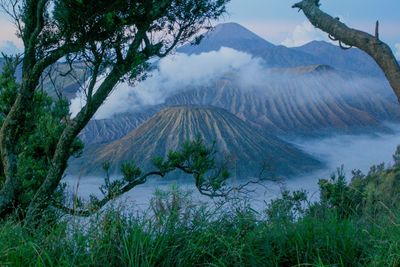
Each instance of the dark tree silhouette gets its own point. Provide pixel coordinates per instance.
(114, 39)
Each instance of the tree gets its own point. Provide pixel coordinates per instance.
(371, 44)
(396, 157)
(193, 158)
(115, 39)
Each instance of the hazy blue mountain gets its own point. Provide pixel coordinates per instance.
(66, 85)
(116, 127)
(231, 35)
(354, 60)
(317, 52)
(235, 36)
(245, 148)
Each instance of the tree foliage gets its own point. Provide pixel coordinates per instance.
(192, 158)
(114, 40)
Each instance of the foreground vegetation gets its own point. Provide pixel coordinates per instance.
(356, 224)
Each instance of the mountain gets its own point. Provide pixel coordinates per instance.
(246, 147)
(307, 101)
(239, 38)
(107, 130)
(304, 100)
(59, 84)
(231, 35)
(354, 60)
(235, 36)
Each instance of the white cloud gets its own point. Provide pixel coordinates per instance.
(9, 48)
(174, 73)
(304, 33)
(397, 51)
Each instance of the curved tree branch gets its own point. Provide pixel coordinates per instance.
(370, 44)
(109, 197)
(194, 159)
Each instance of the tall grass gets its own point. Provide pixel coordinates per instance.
(179, 233)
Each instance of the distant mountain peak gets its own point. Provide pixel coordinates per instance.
(233, 30)
(232, 35)
(318, 42)
(318, 45)
(235, 36)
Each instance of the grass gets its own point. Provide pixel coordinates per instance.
(182, 234)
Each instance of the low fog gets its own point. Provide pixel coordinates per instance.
(352, 151)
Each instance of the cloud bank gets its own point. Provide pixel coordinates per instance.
(303, 34)
(174, 73)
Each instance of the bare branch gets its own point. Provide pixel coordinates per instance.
(10, 7)
(377, 30)
(86, 212)
(370, 44)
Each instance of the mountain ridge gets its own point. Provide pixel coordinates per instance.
(281, 107)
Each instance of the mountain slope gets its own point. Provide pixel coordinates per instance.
(301, 101)
(108, 130)
(306, 99)
(246, 148)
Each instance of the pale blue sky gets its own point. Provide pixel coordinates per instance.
(278, 9)
(277, 22)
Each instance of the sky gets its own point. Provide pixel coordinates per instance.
(277, 22)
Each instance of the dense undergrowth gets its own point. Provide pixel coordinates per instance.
(356, 224)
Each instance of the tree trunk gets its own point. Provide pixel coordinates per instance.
(10, 133)
(62, 154)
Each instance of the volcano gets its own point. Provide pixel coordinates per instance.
(246, 149)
